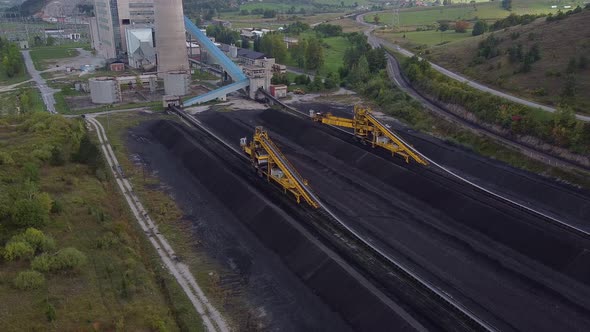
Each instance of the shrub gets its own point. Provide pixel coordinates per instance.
(43, 263)
(39, 241)
(6, 159)
(18, 250)
(29, 280)
(29, 212)
(69, 259)
(56, 207)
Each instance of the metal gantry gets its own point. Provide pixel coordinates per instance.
(270, 162)
(368, 128)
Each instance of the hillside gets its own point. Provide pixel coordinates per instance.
(547, 61)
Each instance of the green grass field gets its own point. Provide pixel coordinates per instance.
(42, 55)
(9, 102)
(487, 11)
(333, 53)
(429, 38)
(333, 47)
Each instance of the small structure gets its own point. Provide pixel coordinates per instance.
(104, 90)
(279, 69)
(290, 41)
(23, 44)
(278, 91)
(168, 101)
(117, 66)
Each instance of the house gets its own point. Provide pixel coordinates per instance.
(249, 57)
(117, 66)
(290, 41)
(278, 91)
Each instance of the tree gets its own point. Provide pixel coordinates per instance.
(272, 45)
(569, 89)
(257, 44)
(50, 41)
(376, 19)
(314, 54)
(461, 26)
(298, 53)
(479, 28)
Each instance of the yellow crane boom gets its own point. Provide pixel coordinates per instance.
(367, 127)
(268, 160)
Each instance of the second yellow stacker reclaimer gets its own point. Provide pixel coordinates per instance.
(268, 160)
(368, 128)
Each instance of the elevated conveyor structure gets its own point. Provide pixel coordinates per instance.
(268, 160)
(368, 128)
(233, 70)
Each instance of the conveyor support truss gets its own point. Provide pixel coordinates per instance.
(268, 160)
(368, 128)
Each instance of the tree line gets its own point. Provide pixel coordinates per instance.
(12, 61)
(559, 129)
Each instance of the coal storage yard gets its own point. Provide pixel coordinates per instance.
(436, 252)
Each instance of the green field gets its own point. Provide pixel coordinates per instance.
(333, 53)
(42, 55)
(9, 101)
(429, 38)
(486, 11)
(333, 47)
(121, 286)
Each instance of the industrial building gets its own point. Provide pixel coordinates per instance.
(141, 52)
(108, 29)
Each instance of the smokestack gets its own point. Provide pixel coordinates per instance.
(170, 37)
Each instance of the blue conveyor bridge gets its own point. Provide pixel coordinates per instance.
(233, 70)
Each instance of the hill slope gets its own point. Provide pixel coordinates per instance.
(548, 79)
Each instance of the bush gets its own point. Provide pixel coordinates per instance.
(18, 250)
(43, 263)
(67, 259)
(6, 159)
(70, 259)
(29, 212)
(29, 280)
(36, 239)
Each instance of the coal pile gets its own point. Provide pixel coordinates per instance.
(325, 296)
(510, 267)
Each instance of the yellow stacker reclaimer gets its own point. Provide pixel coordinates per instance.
(368, 128)
(270, 162)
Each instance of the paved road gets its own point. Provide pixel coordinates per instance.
(46, 92)
(300, 71)
(374, 41)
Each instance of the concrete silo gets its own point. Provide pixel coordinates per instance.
(170, 37)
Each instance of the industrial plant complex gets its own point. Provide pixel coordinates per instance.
(153, 36)
(312, 165)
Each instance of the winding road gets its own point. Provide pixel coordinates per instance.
(375, 42)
